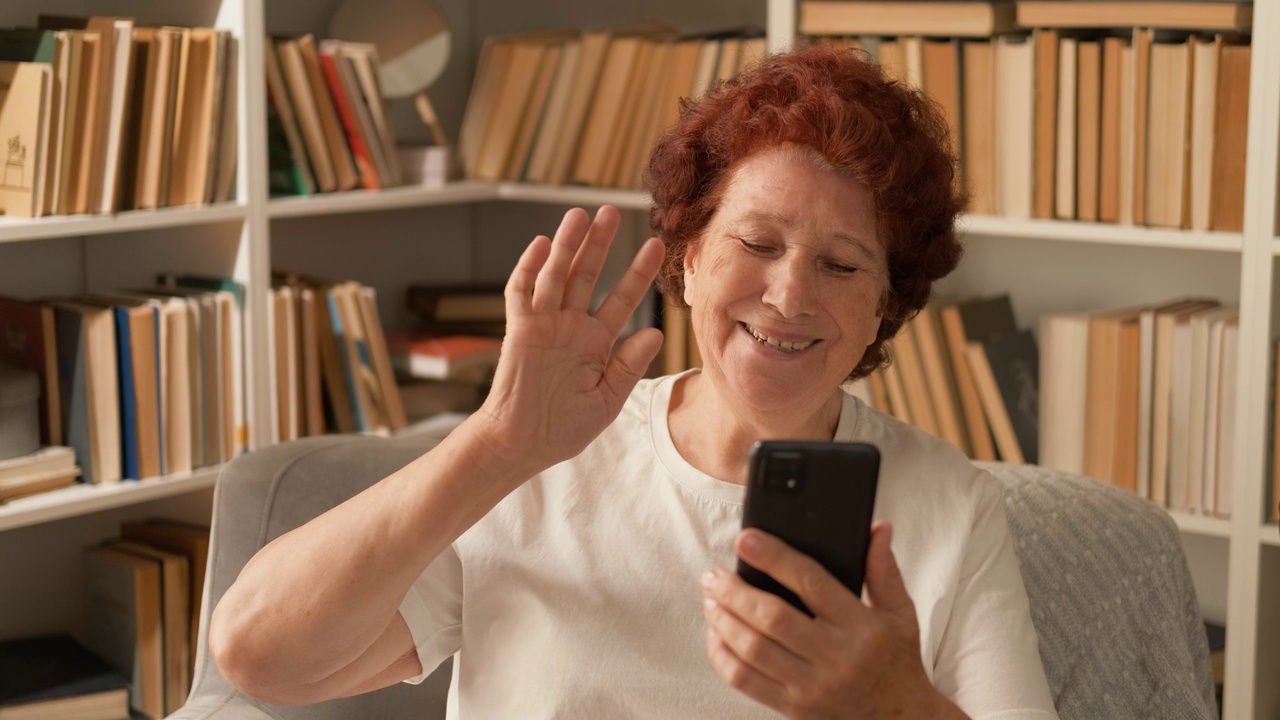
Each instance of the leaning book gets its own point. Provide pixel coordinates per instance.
(54, 677)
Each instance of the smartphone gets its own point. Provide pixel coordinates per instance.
(818, 498)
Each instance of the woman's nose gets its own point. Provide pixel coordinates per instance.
(792, 287)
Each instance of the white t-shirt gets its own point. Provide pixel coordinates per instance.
(578, 595)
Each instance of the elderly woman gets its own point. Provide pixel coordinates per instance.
(571, 539)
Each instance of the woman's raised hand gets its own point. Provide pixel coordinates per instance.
(559, 383)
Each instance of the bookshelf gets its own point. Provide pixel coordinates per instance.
(473, 231)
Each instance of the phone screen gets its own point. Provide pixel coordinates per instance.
(818, 497)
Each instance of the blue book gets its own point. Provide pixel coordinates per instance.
(128, 395)
(348, 372)
(86, 358)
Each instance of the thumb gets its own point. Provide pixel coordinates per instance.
(885, 589)
(632, 361)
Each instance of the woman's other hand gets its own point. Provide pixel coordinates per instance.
(851, 660)
(559, 382)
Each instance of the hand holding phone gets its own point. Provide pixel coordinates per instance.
(818, 497)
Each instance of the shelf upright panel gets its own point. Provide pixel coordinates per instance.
(1244, 696)
(781, 25)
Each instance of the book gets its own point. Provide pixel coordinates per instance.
(175, 616)
(907, 358)
(380, 357)
(1166, 319)
(54, 677)
(1065, 184)
(195, 123)
(302, 99)
(122, 602)
(88, 388)
(334, 138)
(30, 342)
(1167, 128)
(1111, 409)
(49, 468)
(1230, 127)
(25, 94)
(162, 57)
(508, 109)
(1212, 15)
(363, 58)
(1141, 104)
(616, 75)
(192, 541)
(978, 128)
(940, 375)
(330, 58)
(443, 358)
(1064, 367)
(1015, 110)
(993, 404)
(548, 130)
(1202, 426)
(591, 60)
(289, 168)
(285, 360)
(1109, 142)
(1088, 127)
(954, 19)
(978, 431)
(1046, 115)
(458, 303)
(1015, 364)
(138, 360)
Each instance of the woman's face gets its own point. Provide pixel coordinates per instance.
(785, 283)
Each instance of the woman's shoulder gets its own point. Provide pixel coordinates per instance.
(918, 462)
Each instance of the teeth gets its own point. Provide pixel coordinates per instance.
(787, 346)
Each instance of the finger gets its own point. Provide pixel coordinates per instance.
(826, 596)
(753, 647)
(585, 270)
(549, 291)
(885, 588)
(743, 677)
(765, 612)
(625, 297)
(519, 291)
(631, 362)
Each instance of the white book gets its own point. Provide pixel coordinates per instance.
(1015, 110)
(1064, 367)
(1180, 416)
(1227, 418)
(1146, 391)
(1197, 417)
(1065, 165)
(1212, 404)
(1204, 93)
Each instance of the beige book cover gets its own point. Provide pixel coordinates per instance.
(61, 86)
(24, 105)
(123, 610)
(1065, 170)
(907, 358)
(1046, 42)
(992, 404)
(175, 615)
(192, 541)
(278, 96)
(940, 376)
(1205, 53)
(591, 60)
(364, 59)
(1088, 128)
(1109, 131)
(636, 154)
(1231, 125)
(1167, 128)
(534, 114)
(367, 302)
(508, 108)
(195, 126)
(606, 109)
(304, 103)
(335, 139)
(554, 116)
(117, 89)
(627, 116)
(1015, 110)
(979, 148)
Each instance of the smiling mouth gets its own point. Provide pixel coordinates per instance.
(789, 347)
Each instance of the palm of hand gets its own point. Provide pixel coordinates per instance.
(558, 384)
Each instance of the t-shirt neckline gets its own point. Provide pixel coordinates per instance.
(691, 477)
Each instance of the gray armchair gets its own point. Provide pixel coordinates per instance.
(1111, 597)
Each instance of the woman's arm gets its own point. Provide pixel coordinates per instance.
(314, 615)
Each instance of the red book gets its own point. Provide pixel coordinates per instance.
(364, 162)
(27, 341)
(443, 357)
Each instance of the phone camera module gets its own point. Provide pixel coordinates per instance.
(784, 473)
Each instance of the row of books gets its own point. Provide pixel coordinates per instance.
(99, 114)
(586, 108)
(332, 368)
(1144, 398)
(143, 595)
(1137, 127)
(329, 127)
(962, 371)
(140, 383)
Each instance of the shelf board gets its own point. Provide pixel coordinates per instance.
(1103, 233)
(405, 196)
(1202, 524)
(588, 197)
(82, 499)
(458, 193)
(1271, 535)
(20, 229)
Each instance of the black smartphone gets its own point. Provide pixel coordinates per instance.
(818, 498)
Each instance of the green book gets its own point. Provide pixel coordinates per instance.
(27, 45)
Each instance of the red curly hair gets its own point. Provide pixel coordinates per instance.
(839, 104)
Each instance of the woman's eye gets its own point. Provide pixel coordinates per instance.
(753, 247)
(842, 269)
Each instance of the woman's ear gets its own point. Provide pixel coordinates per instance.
(690, 270)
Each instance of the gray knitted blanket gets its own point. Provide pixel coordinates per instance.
(1120, 630)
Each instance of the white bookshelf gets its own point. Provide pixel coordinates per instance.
(473, 231)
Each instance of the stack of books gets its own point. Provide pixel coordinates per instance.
(143, 594)
(1144, 398)
(1119, 112)
(332, 368)
(49, 468)
(329, 127)
(586, 108)
(140, 383)
(99, 114)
